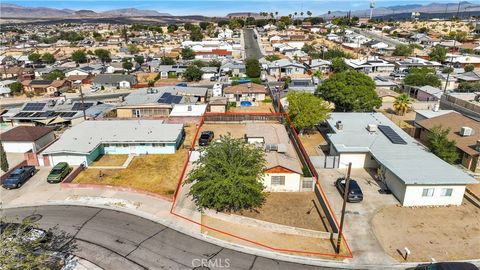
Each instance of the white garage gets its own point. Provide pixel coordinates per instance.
(22, 139)
(69, 158)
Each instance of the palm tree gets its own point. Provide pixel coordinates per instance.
(402, 104)
(301, 14)
(309, 13)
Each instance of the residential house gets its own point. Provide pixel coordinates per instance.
(283, 169)
(324, 66)
(42, 87)
(245, 92)
(113, 137)
(371, 65)
(159, 101)
(464, 131)
(236, 68)
(55, 113)
(415, 176)
(464, 103)
(115, 80)
(209, 72)
(22, 139)
(86, 70)
(217, 104)
(462, 60)
(416, 62)
(14, 72)
(285, 67)
(375, 44)
(5, 90)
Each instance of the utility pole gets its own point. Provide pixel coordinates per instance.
(345, 197)
(83, 104)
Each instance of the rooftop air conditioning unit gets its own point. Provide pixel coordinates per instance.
(339, 125)
(281, 148)
(466, 131)
(271, 147)
(372, 128)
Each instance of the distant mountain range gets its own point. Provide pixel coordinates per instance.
(16, 11)
(432, 8)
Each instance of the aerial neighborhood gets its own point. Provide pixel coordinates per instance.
(293, 138)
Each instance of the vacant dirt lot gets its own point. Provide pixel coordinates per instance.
(235, 130)
(296, 209)
(443, 233)
(110, 160)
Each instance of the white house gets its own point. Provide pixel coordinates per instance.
(85, 142)
(285, 67)
(284, 170)
(415, 176)
(371, 65)
(225, 34)
(22, 139)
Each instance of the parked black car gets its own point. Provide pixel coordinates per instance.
(18, 177)
(354, 191)
(446, 266)
(205, 138)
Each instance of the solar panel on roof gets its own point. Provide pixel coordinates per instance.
(176, 99)
(77, 106)
(23, 114)
(34, 106)
(391, 135)
(300, 83)
(67, 114)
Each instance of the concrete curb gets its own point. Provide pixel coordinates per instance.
(245, 249)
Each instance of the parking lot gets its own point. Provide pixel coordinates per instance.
(358, 217)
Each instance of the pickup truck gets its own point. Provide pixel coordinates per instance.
(18, 177)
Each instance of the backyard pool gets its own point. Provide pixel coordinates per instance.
(246, 103)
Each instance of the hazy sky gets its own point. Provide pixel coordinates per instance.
(221, 7)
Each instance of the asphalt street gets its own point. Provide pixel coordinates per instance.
(251, 45)
(116, 240)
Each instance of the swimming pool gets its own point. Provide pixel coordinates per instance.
(246, 103)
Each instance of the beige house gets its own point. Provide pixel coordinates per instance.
(245, 92)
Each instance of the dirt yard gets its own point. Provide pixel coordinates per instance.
(110, 160)
(438, 29)
(296, 209)
(259, 107)
(154, 173)
(443, 233)
(236, 130)
(311, 142)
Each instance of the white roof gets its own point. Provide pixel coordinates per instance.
(410, 162)
(86, 136)
(188, 110)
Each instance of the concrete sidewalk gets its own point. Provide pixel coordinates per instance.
(158, 210)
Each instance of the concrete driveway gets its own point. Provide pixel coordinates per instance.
(37, 183)
(357, 227)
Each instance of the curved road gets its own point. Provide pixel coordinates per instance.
(116, 240)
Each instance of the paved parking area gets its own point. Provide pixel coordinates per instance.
(36, 184)
(358, 227)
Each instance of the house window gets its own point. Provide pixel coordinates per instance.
(447, 192)
(278, 180)
(307, 183)
(158, 145)
(427, 192)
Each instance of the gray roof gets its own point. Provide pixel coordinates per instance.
(275, 134)
(151, 95)
(285, 63)
(431, 113)
(410, 162)
(114, 78)
(86, 136)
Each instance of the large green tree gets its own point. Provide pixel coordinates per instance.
(34, 57)
(228, 176)
(339, 65)
(187, 54)
(103, 55)
(306, 110)
(48, 58)
(193, 73)
(437, 139)
(438, 53)
(350, 91)
(165, 60)
(422, 77)
(54, 75)
(3, 159)
(252, 67)
(79, 56)
(196, 34)
(403, 50)
(16, 87)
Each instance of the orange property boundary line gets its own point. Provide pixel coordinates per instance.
(180, 182)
